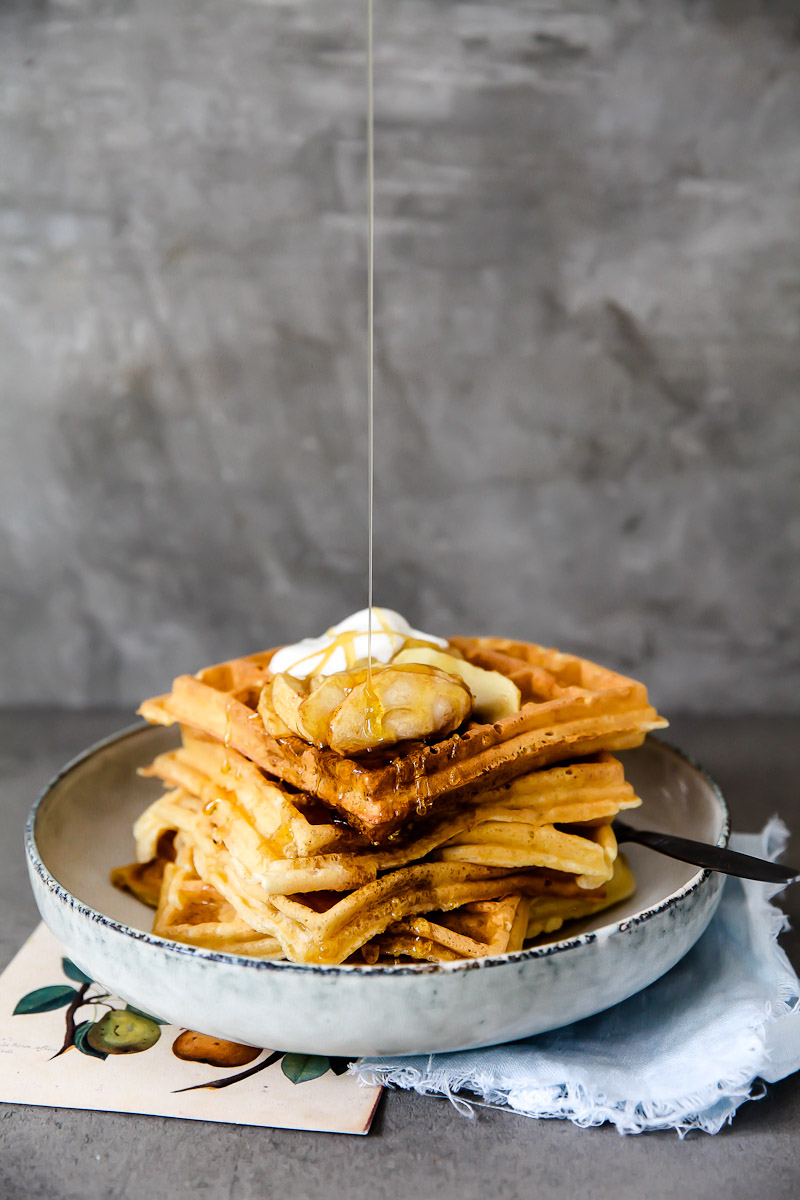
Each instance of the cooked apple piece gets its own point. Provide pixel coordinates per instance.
(287, 698)
(327, 693)
(406, 702)
(266, 710)
(495, 695)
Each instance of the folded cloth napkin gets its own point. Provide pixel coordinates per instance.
(683, 1054)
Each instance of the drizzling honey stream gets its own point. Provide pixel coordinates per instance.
(373, 712)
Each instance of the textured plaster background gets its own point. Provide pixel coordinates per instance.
(587, 303)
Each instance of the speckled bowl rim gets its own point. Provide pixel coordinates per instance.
(254, 964)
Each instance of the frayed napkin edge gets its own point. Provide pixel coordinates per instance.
(708, 1109)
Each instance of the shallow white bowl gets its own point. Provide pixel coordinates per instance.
(81, 827)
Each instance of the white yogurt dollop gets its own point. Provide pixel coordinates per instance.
(346, 643)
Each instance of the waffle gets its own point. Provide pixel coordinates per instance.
(192, 912)
(472, 931)
(494, 926)
(321, 926)
(295, 824)
(142, 879)
(569, 868)
(437, 850)
(570, 708)
(513, 827)
(548, 913)
(331, 927)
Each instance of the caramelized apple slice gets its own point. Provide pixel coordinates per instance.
(287, 698)
(266, 710)
(327, 693)
(495, 695)
(412, 701)
(351, 714)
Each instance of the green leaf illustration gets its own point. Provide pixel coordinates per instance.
(85, 1047)
(140, 1013)
(46, 999)
(301, 1068)
(339, 1065)
(73, 972)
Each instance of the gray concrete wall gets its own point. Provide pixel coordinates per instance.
(587, 304)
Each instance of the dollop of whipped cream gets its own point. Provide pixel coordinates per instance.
(347, 643)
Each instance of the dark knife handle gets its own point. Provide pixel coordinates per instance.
(714, 858)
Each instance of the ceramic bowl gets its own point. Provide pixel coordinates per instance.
(81, 827)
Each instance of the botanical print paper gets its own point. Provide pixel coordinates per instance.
(65, 1042)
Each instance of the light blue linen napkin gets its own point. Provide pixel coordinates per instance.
(683, 1054)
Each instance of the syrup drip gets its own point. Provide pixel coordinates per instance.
(423, 946)
(373, 709)
(226, 764)
(370, 325)
(374, 712)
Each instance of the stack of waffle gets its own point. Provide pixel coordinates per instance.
(437, 850)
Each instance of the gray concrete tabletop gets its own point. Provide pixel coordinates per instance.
(418, 1146)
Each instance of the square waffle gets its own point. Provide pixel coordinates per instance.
(472, 931)
(486, 853)
(570, 707)
(557, 818)
(191, 911)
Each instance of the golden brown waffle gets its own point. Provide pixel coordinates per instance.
(513, 827)
(295, 824)
(292, 825)
(472, 931)
(142, 879)
(330, 927)
(191, 911)
(494, 926)
(209, 898)
(570, 708)
(547, 914)
(587, 853)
